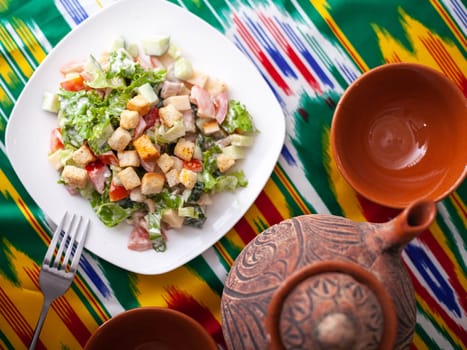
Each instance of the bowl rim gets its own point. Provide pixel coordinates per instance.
(342, 169)
(156, 310)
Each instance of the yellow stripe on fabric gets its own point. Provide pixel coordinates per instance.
(437, 319)
(322, 7)
(256, 219)
(418, 342)
(27, 299)
(345, 195)
(286, 183)
(235, 239)
(449, 22)
(4, 98)
(442, 240)
(30, 40)
(273, 192)
(3, 5)
(7, 188)
(426, 47)
(7, 73)
(15, 52)
(225, 255)
(152, 290)
(459, 206)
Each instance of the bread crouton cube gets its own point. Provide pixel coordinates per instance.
(198, 78)
(224, 162)
(171, 217)
(173, 177)
(188, 178)
(145, 148)
(129, 178)
(169, 115)
(128, 158)
(139, 104)
(74, 176)
(119, 139)
(184, 149)
(83, 155)
(165, 162)
(215, 86)
(210, 127)
(152, 183)
(129, 119)
(180, 102)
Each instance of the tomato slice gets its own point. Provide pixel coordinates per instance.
(108, 158)
(151, 117)
(117, 192)
(193, 165)
(73, 84)
(56, 142)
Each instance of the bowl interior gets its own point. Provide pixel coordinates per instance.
(151, 328)
(398, 134)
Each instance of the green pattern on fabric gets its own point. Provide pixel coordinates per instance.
(309, 122)
(199, 267)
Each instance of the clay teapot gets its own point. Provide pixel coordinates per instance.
(324, 282)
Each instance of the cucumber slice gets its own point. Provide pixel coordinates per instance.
(156, 45)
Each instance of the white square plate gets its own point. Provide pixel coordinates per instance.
(28, 129)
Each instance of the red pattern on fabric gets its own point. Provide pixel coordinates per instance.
(184, 302)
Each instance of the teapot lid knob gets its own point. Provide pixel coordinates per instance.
(326, 304)
(336, 331)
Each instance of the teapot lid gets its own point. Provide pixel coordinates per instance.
(331, 305)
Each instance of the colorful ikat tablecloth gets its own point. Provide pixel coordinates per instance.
(309, 52)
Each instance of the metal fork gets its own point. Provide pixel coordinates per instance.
(60, 264)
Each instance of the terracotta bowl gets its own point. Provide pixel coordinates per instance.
(151, 328)
(399, 134)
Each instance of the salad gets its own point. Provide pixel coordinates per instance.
(146, 138)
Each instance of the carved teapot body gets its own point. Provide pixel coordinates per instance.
(324, 282)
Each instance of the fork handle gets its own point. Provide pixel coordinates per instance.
(40, 322)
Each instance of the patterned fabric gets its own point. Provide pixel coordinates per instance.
(309, 52)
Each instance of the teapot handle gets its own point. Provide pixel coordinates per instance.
(358, 273)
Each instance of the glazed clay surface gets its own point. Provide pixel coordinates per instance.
(278, 252)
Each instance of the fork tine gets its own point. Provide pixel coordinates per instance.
(73, 231)
(79, 248)
(53, 243)
(63, 242)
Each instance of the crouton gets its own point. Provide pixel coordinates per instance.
(129, 178)
(169, 115)
(119, 139)
(152, 183)
(224, 162)
(74, 176)
(129, 119)
(171, 217)
(139, 104)
(165, 162)
(145, 148)
(188, 178)
(198, 78)
(173, 177)
(180, 102)
(215, 86)
(178, 163)
(184, 149)
(128, 158)
(210, 127)
(82, 156)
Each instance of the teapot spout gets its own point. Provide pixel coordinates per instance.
(412, 221)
